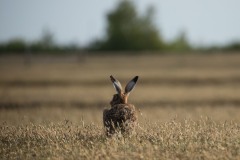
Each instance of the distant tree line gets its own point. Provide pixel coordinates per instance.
(45, 44)
(126, 31)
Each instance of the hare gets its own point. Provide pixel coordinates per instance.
(121, 117)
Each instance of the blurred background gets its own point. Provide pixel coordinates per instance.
(56, 58)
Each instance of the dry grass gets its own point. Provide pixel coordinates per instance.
(200, 139)
(188, 105)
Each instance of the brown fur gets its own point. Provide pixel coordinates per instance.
(120, 118)
(117, 100)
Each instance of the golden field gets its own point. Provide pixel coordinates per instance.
(188, 106)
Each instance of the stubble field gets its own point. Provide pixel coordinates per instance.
(188, 107)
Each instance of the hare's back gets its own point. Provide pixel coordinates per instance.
(121, 113)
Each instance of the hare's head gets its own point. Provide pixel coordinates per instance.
(122, 96)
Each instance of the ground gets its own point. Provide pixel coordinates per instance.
(188, 106)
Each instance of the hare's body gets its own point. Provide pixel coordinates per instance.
(121, 117)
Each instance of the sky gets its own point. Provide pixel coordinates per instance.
(205, 22)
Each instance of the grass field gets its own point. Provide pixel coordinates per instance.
(188, 107)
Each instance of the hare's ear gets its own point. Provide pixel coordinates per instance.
(129, 87)
(116, 84)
